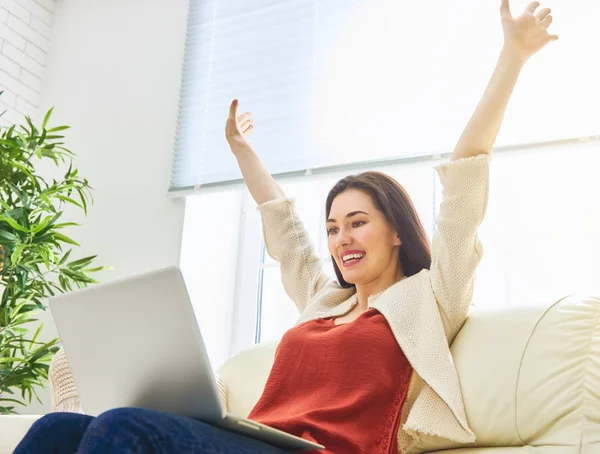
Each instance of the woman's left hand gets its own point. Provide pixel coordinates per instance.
(527, 34)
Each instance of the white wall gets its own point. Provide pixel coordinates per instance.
(25, 30)
(113, 73)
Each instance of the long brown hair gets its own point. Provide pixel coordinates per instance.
(394, 202)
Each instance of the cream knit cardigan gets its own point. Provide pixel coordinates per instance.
(425, 311)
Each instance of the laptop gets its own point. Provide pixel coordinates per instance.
(136, 343)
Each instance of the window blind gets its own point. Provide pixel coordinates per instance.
(335, 82)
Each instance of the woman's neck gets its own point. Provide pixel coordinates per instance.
(378, 285)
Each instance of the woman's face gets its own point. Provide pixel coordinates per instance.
(360, 239)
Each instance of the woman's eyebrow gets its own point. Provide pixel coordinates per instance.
(349, 215)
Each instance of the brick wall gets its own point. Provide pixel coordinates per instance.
(25, 31)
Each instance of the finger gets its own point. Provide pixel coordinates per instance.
(505, 10)
(233, 108)
(242, 118)
(246, 123)
(532, 7)
(248, 130)
(546, 22)
(543, 40)
(543, 14)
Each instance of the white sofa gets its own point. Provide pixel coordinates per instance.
(530, 378)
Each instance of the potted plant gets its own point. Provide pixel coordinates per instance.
(34, 252)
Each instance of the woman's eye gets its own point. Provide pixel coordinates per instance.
(333, 230)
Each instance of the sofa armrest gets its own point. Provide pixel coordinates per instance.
(12, 430)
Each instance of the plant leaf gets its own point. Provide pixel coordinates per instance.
(69, 200)
(16, 254)
(65, 239)
(78, 264)
(14, 224)
(58, 128)
(67, 224)
(47, 220)
(65, 257)
(47, 117)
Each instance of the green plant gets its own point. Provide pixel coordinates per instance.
(33, 263)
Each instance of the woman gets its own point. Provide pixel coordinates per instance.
(368, 367)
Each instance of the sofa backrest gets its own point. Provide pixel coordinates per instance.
(530, 375)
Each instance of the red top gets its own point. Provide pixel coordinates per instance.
(342, 386)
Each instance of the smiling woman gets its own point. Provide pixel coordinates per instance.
(413, 295)
(372, 214)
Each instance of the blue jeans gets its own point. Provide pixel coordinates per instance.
(134, 430)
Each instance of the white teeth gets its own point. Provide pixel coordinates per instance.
(352, 256)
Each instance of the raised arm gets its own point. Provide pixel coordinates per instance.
(523, 37)
(456, 249)
(259, 181)
(286, 239)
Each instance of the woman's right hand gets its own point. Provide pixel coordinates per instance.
(260, 183)
(238, 127)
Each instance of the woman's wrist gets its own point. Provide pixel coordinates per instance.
(240, 148)
(512, 56)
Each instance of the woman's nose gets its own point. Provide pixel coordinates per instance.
(343, 239)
